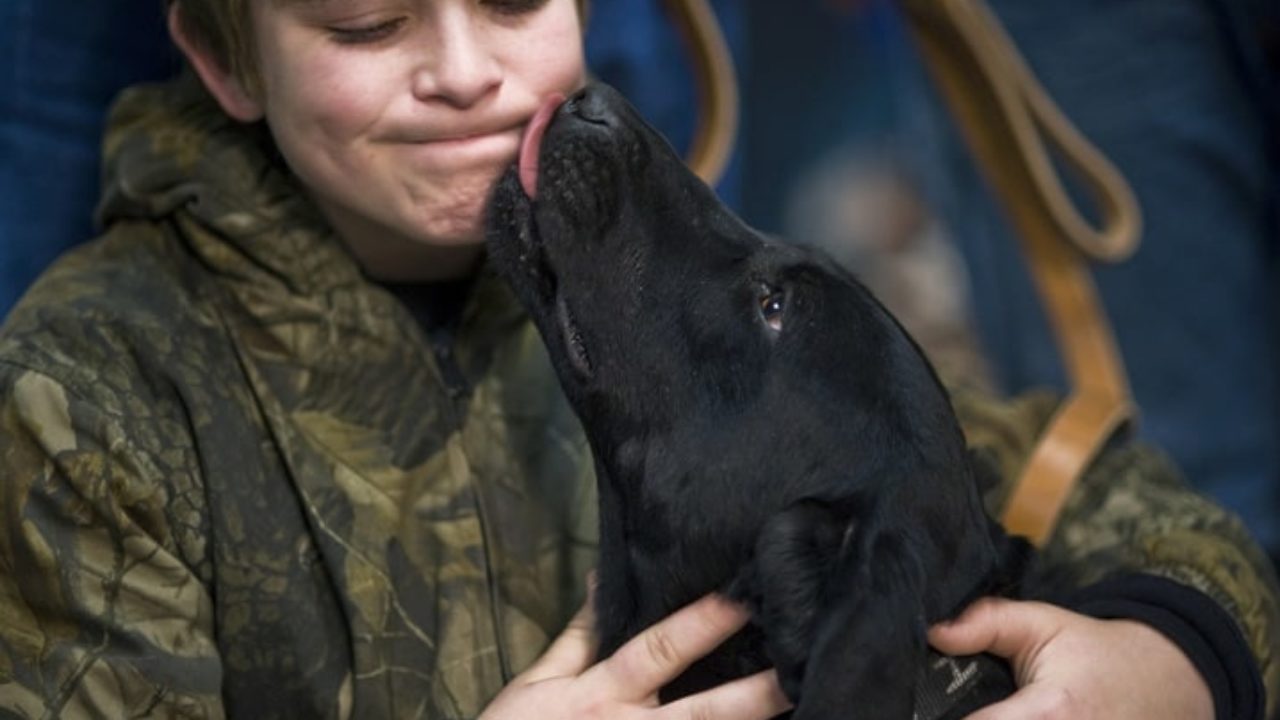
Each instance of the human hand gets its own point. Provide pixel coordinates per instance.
(564, 684)
(1071, 666)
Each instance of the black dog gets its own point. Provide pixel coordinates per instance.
(761, 426)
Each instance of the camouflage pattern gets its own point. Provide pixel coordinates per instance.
(238, 481)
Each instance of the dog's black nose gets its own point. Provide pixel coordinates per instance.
(595, 104)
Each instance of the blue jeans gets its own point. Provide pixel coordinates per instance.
(60, 65)
(1173, 92)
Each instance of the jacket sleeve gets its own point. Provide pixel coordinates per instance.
(1132, 513)
(102, 613)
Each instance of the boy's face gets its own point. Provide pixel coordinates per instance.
(399, 115)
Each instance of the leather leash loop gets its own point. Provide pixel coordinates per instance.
(1036, 124)
(1007, 118)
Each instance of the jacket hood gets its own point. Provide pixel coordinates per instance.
(170, 152)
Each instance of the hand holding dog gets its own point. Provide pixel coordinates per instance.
(564, 684)
(1072, 666)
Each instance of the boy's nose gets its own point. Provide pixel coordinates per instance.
(460, 69)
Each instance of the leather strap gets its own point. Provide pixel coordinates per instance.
(1010, 122)
(717, 86)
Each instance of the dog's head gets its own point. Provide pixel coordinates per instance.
(670, 321)
(744, 398)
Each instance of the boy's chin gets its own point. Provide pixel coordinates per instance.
(460, 225)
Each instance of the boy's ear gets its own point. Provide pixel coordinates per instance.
(225, 87)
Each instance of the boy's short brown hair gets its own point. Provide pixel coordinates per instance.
(223, 28)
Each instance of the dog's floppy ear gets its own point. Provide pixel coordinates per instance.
(869, 644)
(841, 612)
(783, 584)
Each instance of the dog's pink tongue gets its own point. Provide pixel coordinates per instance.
(532, 142)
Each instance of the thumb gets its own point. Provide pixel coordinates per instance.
(1012, 629)
(573, 651)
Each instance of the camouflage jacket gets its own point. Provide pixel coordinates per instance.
(238, 481)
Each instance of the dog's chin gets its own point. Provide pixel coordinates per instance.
(515, 245)
(519, 254)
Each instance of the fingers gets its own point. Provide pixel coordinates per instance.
(1011, 629)
(573, 651)
(755, 697)
(660, 653)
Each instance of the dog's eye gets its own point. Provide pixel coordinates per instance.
(773, 302)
